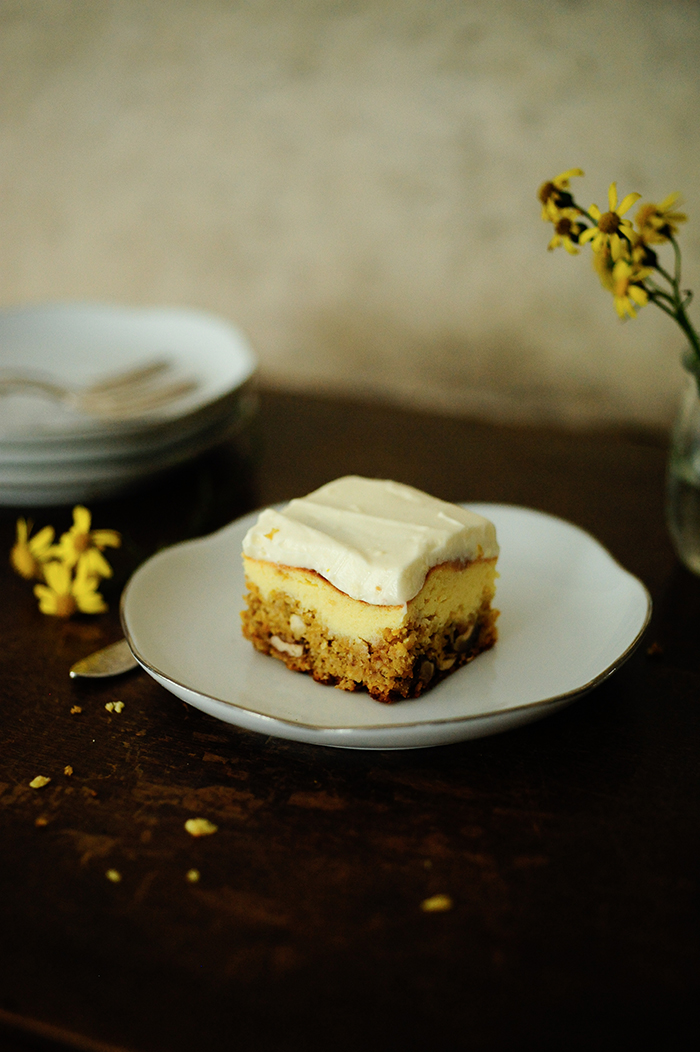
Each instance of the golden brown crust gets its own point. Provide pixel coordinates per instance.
(402, 664)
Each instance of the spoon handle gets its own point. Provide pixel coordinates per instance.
(110, 661)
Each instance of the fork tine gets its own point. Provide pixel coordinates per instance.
(131, 377)
(127, 405)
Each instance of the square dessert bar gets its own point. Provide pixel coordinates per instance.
(367, 583)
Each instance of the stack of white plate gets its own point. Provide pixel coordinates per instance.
(51, 453)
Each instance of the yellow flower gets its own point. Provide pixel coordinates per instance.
(82, 543)
(656, 223)
(64, 593)
(567, 231)
(554, 195)
(29, 553)
(643, 255)
(603, 266)
(611, 229)
(627, 287)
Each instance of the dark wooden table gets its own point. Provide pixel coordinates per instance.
(569, 847)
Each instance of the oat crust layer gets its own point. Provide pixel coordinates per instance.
(400, 663)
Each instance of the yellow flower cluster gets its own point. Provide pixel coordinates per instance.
(68, 572)
(622, 255)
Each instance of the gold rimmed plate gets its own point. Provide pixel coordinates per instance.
(570, 616)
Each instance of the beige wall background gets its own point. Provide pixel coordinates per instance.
(354, 184)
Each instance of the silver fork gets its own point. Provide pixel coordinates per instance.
(117, 397)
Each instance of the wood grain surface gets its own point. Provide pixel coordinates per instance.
(569, 848)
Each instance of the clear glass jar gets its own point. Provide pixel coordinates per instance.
(683, 477)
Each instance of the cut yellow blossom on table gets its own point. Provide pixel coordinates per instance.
(436, 904)
(28, 554)
(69, 572)
(114, 875)
(39, 782)
(80, 543)
(68, 770)
(192, 876)
(611, 229)
(200, 827)
(63, 594)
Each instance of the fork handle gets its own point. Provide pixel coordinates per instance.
(19, 383)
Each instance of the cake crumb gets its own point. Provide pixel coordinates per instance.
(75, 710)
(436, 904)
(192, 876)
(68, 770)
(114, 875)
(42, 820)
(200, 827)
(39, 782)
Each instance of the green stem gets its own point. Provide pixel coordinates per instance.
(685, 324)
(677, 255)
(582, 211)
(660, 292)
(680, 305)
(653, 297)
(673, 303)
(665, 274)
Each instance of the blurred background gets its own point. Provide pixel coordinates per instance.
(354, 184)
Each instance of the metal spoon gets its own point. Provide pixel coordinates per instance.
(110, 661)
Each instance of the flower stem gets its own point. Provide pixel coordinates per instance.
(680, 305)
(673, 303)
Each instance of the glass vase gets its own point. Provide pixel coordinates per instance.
(683, 477)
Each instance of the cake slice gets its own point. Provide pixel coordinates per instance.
(367, 583)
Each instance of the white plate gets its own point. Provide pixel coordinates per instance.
(570, 615)
(81, 343)
(44, 456)
(71, 481)
(50, 454)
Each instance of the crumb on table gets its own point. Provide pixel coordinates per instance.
(200, 827)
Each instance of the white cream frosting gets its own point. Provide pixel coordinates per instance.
(373, 539)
